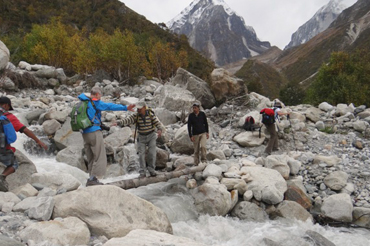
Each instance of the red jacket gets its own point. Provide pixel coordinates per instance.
(18, 126)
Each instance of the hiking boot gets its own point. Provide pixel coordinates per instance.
(142, 175)
(93, 181)
(3, 184)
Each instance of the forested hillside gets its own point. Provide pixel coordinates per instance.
(87, 35)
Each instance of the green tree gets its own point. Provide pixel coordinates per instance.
(345, 79)
(292, 94)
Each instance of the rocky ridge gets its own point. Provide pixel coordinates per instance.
(204, 20)
(320, 173)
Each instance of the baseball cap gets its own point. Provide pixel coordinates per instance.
(6, 100)
(196, 105)
(140, 104)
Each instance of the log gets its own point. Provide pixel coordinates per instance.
(161, 177)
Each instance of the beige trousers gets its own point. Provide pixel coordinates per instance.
(200, 142)
(95, 153)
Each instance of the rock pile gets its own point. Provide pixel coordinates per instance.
(321, 170)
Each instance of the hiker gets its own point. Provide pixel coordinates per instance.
(273, 144)
(198, 133)
(146, 125)
(93, 136)
(8, 159)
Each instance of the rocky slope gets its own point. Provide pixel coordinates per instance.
(318, 23)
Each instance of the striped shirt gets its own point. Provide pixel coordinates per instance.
(145, 124)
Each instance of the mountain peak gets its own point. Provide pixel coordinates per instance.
(195, 9)
(319, 22)
(215, 30)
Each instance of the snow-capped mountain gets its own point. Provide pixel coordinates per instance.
(217, 32)
(319, 22)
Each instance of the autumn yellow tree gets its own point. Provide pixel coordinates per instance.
(165, 60)
(123, 57)
(89, 52)
(48, 44)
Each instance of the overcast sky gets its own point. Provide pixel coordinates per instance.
(273, 20)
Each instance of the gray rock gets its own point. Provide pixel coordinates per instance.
(4, 56)
(41, 209)
(212, 199)
(195, 85)
(7, 241)
(319, 239)
(293, 210)
(115, 218)
(72, 155)
(67, 231)
(338, 207)
(141, 237)
(336, 180)
(51, 126)
(249, 211)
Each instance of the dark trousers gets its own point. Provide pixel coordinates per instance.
(273, 141)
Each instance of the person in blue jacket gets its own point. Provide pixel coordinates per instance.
(93, 136)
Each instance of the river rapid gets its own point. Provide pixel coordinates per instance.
(176, 201)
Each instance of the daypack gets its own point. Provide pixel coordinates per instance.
(268, 116)
(79, 118)
(249, 124)
(8, 134)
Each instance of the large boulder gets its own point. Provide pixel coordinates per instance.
(23, 174)
(7, 241)
(249, 211)
(249, 139)
(212, 198)
(56, 180)
(338, 207)
(336, 180)
(293, 211)
(267, 184)
(68, 231)
(66, 137)
(296, 194)
(195, 85)
(181, 143)
(72, 155)
(313, 114)
(278, 163)
(150, 237)
(117, 140)
(165, 116)
(4, 56)
(110, 211)
(174, 98)
(223, 85)
(361, 216)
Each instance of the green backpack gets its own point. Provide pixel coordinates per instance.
(79, 118)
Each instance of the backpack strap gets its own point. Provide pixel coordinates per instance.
(95, 115)
(137, 119)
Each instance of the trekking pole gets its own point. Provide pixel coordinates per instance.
(288, 117)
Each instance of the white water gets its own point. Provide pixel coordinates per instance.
(174, 199)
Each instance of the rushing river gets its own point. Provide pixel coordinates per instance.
(174, 199)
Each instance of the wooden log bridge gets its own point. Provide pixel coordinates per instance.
(161, 177)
